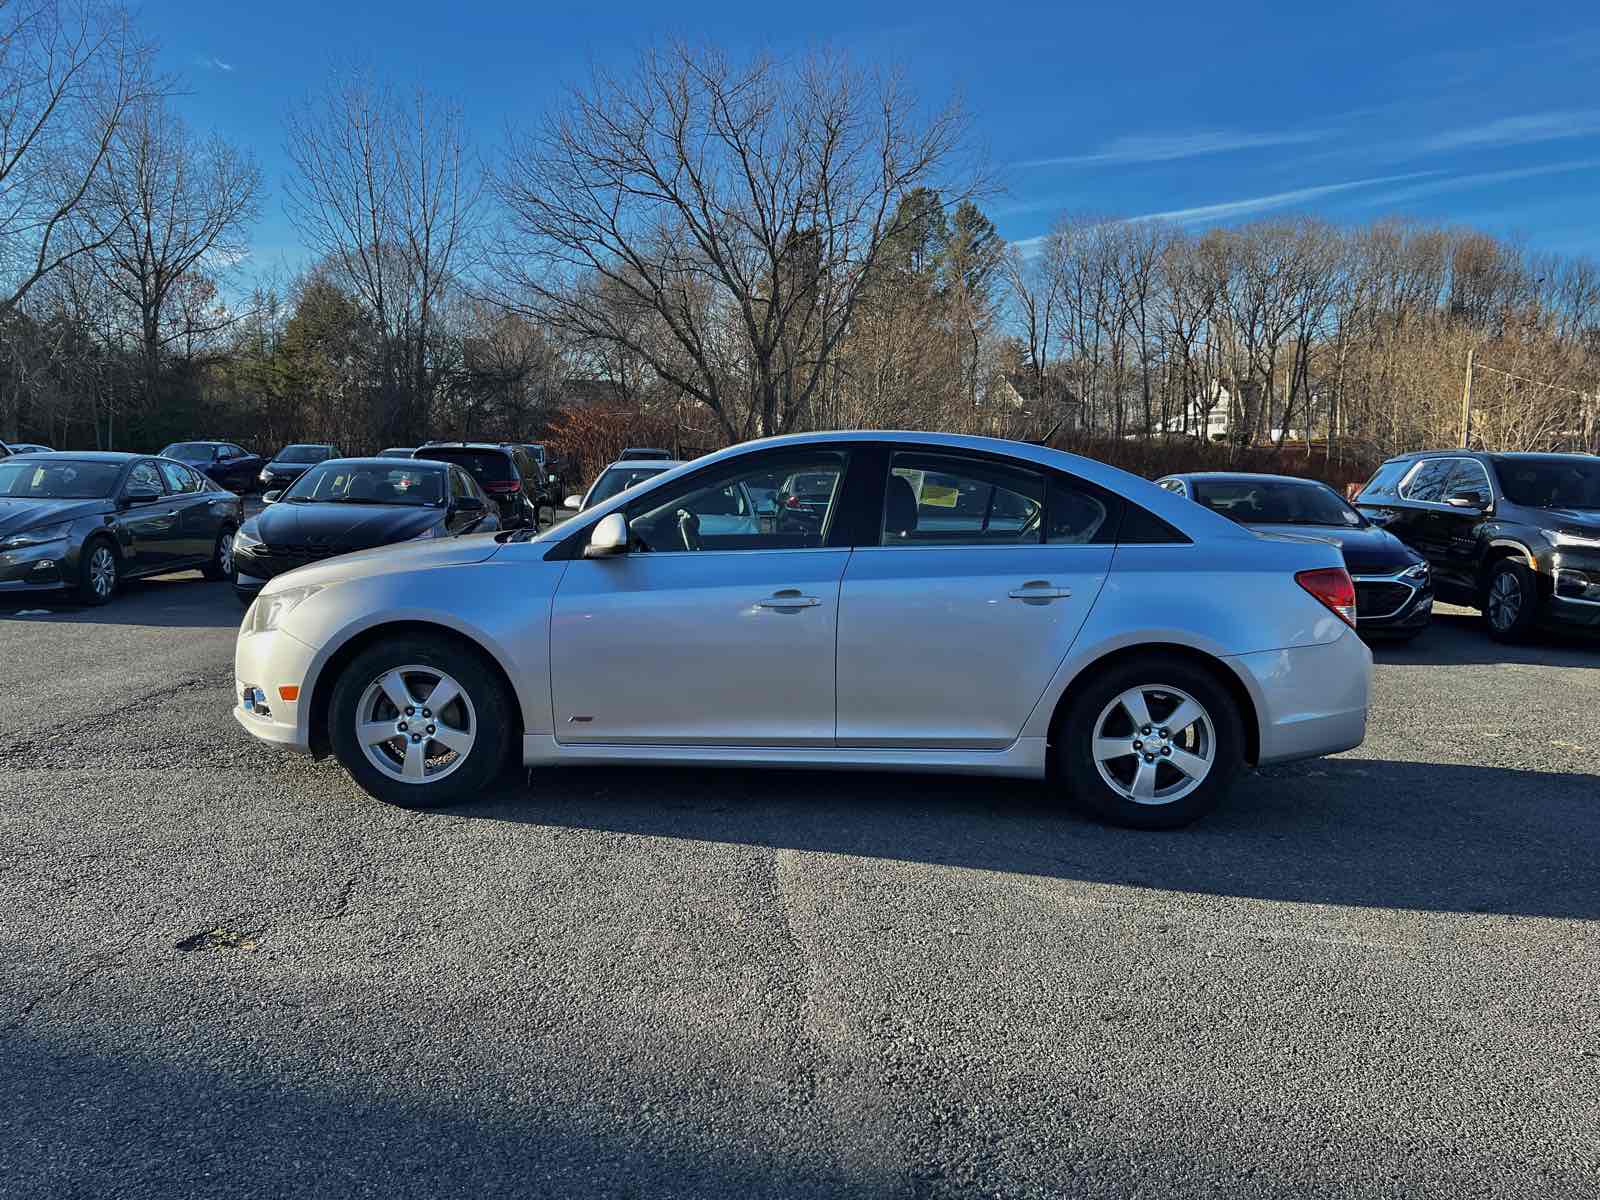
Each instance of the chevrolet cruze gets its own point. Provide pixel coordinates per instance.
(937, 602)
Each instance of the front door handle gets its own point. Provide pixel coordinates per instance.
(788, 598)
(1039, 589)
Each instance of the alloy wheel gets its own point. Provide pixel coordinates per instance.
(1505, 600)
(1154, 744)
(103, 572)
(416, 724)
(225, 554)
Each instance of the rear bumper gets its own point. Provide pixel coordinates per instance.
(1310, 700)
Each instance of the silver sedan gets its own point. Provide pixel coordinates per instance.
(899, 601)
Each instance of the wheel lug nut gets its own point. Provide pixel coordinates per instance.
(1145, 731)
(1149, 758)
(430, 728)
(416, 737)
(1137, 744)
(410, 712)
(1166, 751)
(426, 713)
(402, 726)
(1166, 733)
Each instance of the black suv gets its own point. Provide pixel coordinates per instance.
(1516, 535)
(504, 471)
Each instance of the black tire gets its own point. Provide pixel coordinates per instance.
(221, 565)
(98, 556)
(1511, 585)
(1158, 678)
(491, 721)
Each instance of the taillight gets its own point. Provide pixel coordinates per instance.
(1333, 587)
(501, 486)
(791, 501)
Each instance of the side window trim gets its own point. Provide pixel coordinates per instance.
(957, 455)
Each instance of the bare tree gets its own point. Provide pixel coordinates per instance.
(169, 207)
(387, 190)
(742, 204)
(70, 72)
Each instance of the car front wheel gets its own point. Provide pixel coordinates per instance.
(1510, 601)
(99, 572)
(1153, 743)
(421, 722)
(221, 565)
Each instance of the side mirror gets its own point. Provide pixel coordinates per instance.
(573, 502)
(272, 497)
(608, 538)
(1465, 500)
(140, 494)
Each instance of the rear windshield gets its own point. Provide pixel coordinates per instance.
(1550, 482)
(189, 451)
(620, 479)
(486, 466)
(1274, 502)
(303, 454)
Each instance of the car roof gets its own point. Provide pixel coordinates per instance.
(1243, 477)
(105, 456)
(200, 442)
(375, 460)
(647, 464)
(1492, 455)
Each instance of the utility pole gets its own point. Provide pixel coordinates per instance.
(1466, 402)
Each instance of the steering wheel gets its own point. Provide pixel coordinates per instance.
(688, 529)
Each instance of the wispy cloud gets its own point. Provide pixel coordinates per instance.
(1256, 204)
(212, 63)
(1518, 131)
(1478, 179)
(1169, 147)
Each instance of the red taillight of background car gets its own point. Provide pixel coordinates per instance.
(1334, 588)
(501, 487)
(791, 501)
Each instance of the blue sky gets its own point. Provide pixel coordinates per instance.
(1454, 110)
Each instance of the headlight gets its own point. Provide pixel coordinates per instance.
(246, 542)
(1562, 537)
(36, 537)
(1419, 571)
(269, 611)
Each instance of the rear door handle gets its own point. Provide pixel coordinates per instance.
(1039, 589)
(788, 598)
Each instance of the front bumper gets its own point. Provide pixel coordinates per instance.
(268, 662)
(37, 568)
(1571, 604)
(1310, 700)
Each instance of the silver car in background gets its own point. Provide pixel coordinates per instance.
(902, 601)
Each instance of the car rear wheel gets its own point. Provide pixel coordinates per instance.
(99, 572)
(420, 722)
(221, 565)
(1153, 743)
(1510, 601)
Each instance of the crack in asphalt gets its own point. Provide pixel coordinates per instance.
(94, 968)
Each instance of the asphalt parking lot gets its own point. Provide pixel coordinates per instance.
(226, 972)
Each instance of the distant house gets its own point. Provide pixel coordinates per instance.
(1211, 415)
(586, 392)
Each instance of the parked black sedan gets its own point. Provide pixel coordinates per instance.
(86, 521)
(229, 464)
(291, 462)
(1394, 588)
(351, 504)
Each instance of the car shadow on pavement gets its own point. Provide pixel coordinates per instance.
(1458, 639)
(180, 601)
(1343, 831)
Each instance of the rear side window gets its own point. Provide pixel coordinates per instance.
(947, 500)
(1385, 482)
(1140, 527)
(1077, 514)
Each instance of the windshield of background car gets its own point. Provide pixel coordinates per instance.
(486, 466)
(620, 479)
(346, 484)
(1272, 502)
(189, 452)
(303, 454)
(537, 453)
(57, 480)
(1550, 482)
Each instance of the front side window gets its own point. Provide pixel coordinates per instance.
(1468, 476)
(720, 511)
(1427, 484)
(179, 479)
(947, 500)
(144, 475)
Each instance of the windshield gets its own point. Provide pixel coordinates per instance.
(304, 454)
(54, 479)
(189, 451)
(537, 452)
(343, 483)
(1275, 502)
(1551, 482)
(619, 479)
(487, 466)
